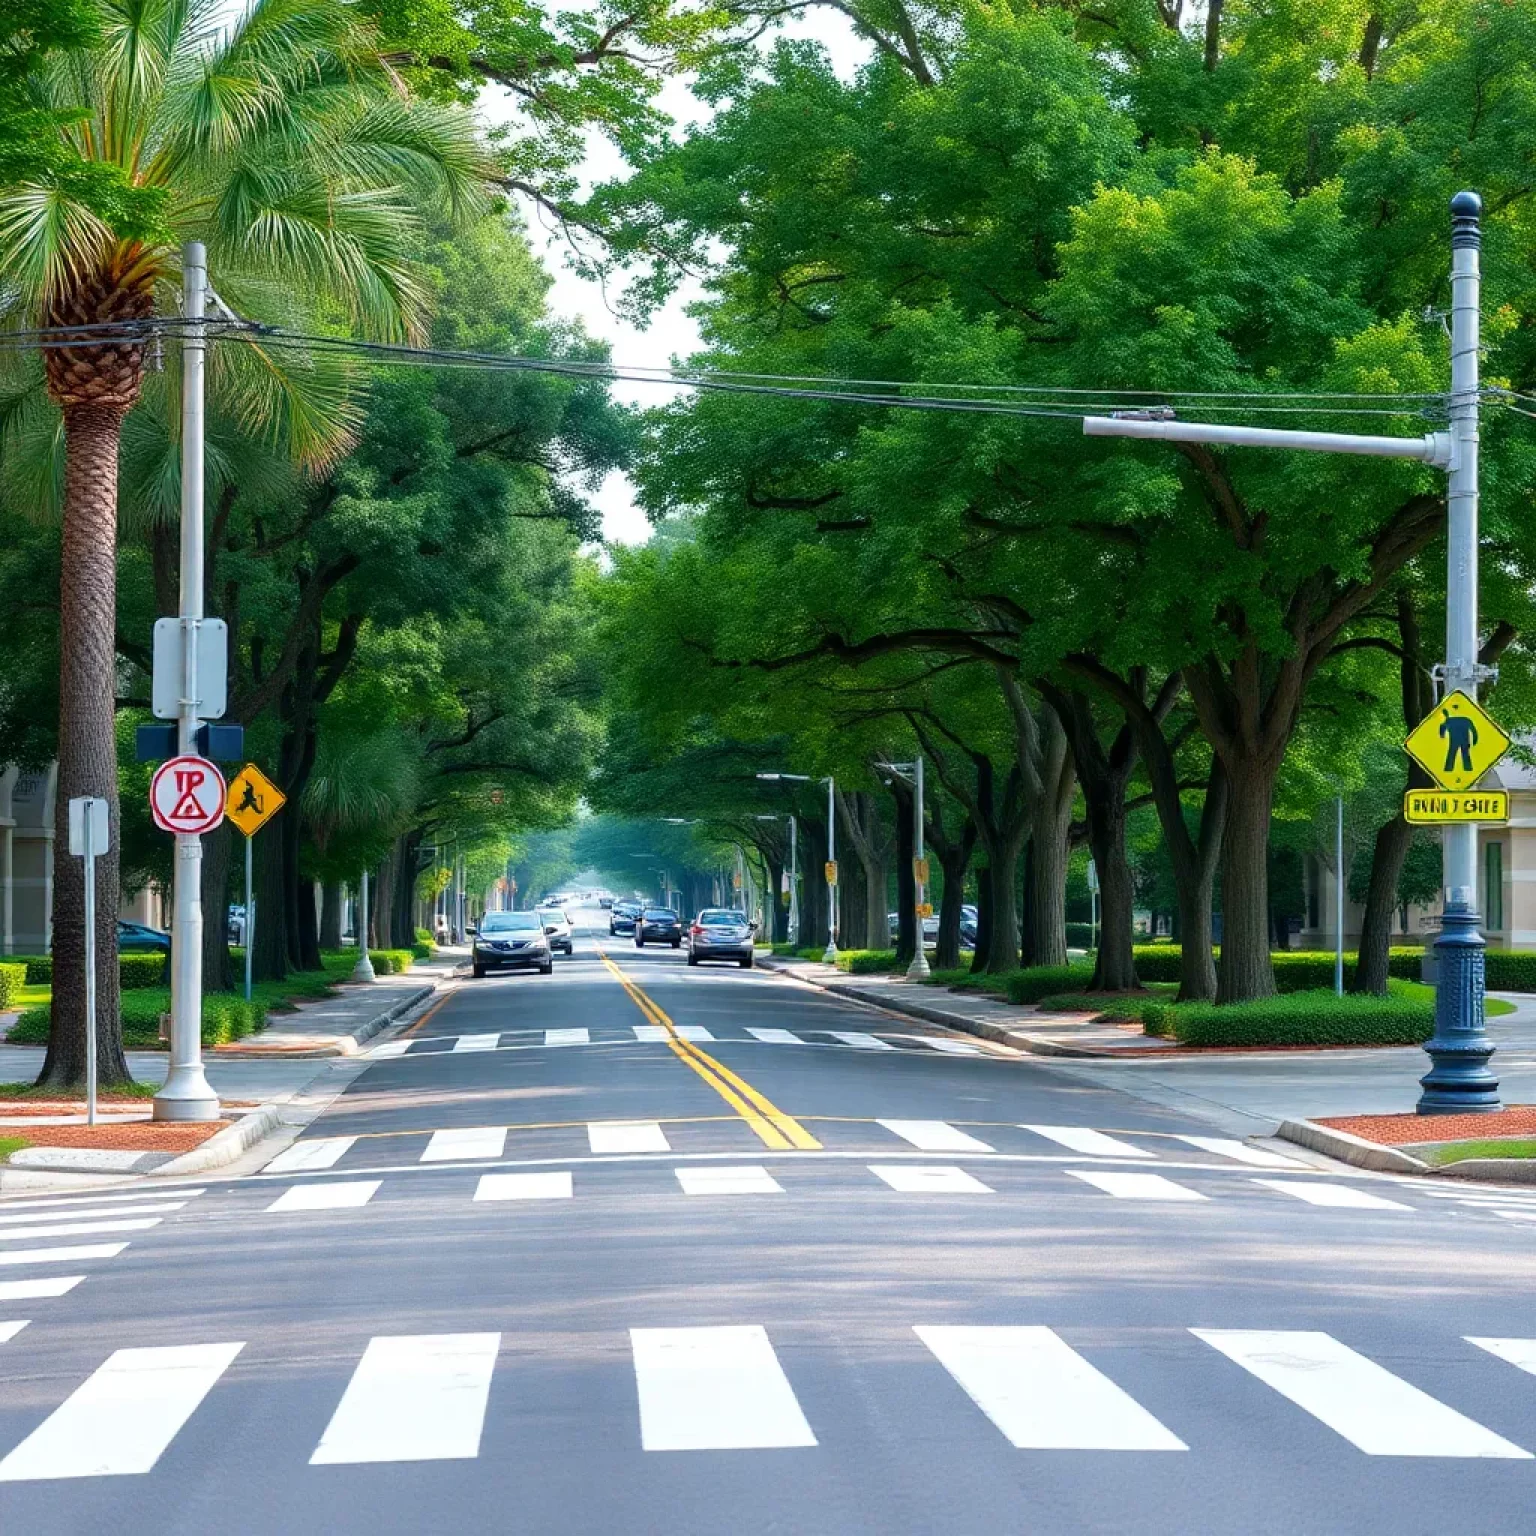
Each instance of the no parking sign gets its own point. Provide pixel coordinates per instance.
(187, 795)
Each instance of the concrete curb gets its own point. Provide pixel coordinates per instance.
(343, 1045)
(1504, 1170)
(1354, 1150)
(224, 1147)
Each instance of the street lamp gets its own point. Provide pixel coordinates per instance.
(919, 970)
(1459, 1080)
(829, 955)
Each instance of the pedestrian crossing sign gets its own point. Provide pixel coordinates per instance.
(253, 800)
(1457, 742)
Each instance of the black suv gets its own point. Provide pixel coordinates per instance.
(622, 915)
(658, 925)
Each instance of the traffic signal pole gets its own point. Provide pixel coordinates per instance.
(1459, 1079)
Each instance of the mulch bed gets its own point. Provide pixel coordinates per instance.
(1409, 1130)
(135, 1136)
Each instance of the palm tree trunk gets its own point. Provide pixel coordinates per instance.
(87, 747)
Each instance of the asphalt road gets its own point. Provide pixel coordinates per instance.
(642, 1248)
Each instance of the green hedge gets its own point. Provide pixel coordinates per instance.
(1079, 935)
(13, 978)
(226, 1016)
(1510, 970)
(39, 968)
(1037, 981)
(1315, 1018)
(1305, 970)
(423, 949)
(137, 971)
(385, 962)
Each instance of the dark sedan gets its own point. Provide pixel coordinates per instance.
(508, 939)
(718, 933)
(621, 919)
(658, 925)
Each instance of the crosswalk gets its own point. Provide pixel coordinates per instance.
(651, 1034)
(732, 1387)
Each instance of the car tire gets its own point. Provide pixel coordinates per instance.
(547, 969)
(479, 973)
(677, 943)
(745, 964)
(693, 959)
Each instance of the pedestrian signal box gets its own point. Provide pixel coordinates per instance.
(1457, 742)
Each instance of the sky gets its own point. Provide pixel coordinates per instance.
(672, 332)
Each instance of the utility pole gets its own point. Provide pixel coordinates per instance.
(186, 1094)
(1338, 896)
(1458, 1080)
(829, 955)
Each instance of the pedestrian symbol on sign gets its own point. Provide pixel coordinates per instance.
(1461, 736)
(1457, 742)
(253, 799)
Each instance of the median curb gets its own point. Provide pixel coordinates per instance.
(1354, 1150)
(224, 1146)
(305, 1047)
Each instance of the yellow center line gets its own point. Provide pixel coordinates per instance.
(773, 1127)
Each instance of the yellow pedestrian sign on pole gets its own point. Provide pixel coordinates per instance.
(253, 800)
(1457, 742)
(1436, 807)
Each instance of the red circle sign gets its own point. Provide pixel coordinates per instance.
(187, 795)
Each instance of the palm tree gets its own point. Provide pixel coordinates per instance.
(283, 142)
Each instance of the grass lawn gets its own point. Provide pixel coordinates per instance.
(1460, 1151)
(33, 997)
(32, 1091)
(9, 1144)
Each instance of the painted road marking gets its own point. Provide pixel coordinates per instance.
(714, 1389)
(1135, 1186)
(949, 1047)
(567, 1037)
(1078, 1138)
(467, 1141)
(413, 1397)
(96, 1199)
(524, 1186)
(1042, 1394)
(122, 1417)
(486, 1042)
(38, 1290)
(64, 1255)
(1342, 1195)
(326, 1197)
(69, 1213)
(934, 1136)
(1380, 1413)
(1514, 1215)
(9, 1331)
(303, 1156)
(391, 1048)
(633, 1136)
(728, 1181)
(81, 1228)
(1521, 1352)
(1241, 1152)
(775, 1036)
(859, 1039)
(653, 1034)
(916, 1179)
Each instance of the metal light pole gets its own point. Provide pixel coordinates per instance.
(919, 969)
(794, 884)
(186, 1094)
(363, 970)
(1459, 1080)
(1338, 896)
(829, 954)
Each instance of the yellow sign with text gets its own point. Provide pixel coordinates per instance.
(920, 871)
(253, 800)
(1433, 807)
(831, 872)
(1457, 742)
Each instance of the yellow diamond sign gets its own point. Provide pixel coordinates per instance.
(253, 800)
(1457, 742)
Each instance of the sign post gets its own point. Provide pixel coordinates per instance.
(89, 834)
(253, 801)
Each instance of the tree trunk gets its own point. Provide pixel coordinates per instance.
(865, 921)
(813, 885)
(1114, 968)
(269, 956)
(219, 852)
(308, 924)
(983, 920)
(330, 915)
(1051, 821)
(1003, 941)
(87, 749)
(954, 856)
(1246, 971)
(778, 913)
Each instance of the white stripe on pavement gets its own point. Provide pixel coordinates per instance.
(1521, 1352)
(486, 1042)
(1042, 1394)
(523, 1186)
(391, 1048)
(326, 1197)
(728, 1181)
(714, 1389)
(1516, 1215)
(121, 1418)
(934, 1136)
(80, 1228)
(321, 1152)
(1343, 1195)
(627, 1136)
(775, 1036)
(915, 1179)
(949, 1047)
(1135, 1186)
(38, 1290)
(465, 1141)
(859, 1039)
(64, 1255)
(1078, 1138)
(96, 1197)
(567, 1037)
(649, 1032)
(10, 1330)
(413, 1397)
(693, 1032)
(1374, 1410)
(81, 1211)
(1241, 1152)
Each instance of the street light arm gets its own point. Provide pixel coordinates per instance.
(1432, 448)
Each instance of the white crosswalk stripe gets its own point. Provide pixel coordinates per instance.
(1521, 1352)
(487, 1042)
(651, 1033)
(728, 1181)
(1241, 1152)
(863, 1041)
(1042, 1394)
(947, 1046)
(626, 1136)
(38, 1290)
(1345, 1196)
(121, 1419)
(8, 1331)
(714, 1389)
(925, 1179)
(1078, 1138)
(934, 1136)
(79, 1228)
(390, 1048)
(1135, 1186)
(568, 1036)
(326, 1197)
(74, 1212)
(97, 1201)
(74, 1255)
(414, 1397)
(465, 1141)
(775, 1036)
(303, 1156)
(1380, 1413)
(524, 1186)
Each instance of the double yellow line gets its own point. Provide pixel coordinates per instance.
(775, 1129)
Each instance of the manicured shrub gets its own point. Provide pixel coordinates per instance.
(39, 968)
(226, 1016)
(1079, 935)
(423, 949)
(866, 962)
(140, 970)
(12, 978)
(1037, 981)
(1314, 1018)
(1510, 970)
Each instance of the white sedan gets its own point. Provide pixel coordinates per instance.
(557, 929)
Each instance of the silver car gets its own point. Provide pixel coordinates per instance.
(718, 933)
(557, 929)
(511, 939)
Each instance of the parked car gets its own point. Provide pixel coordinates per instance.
(930, 927)
(968, 920)
(140, 939)
(235, 925)
(557, 929)
(719, 933)
(621, 919)
(511, 939)
(658, 925)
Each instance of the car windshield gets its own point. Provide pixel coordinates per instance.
(721, 919)
(509, 922)
(660, 915)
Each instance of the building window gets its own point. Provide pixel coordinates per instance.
(1493, 887)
